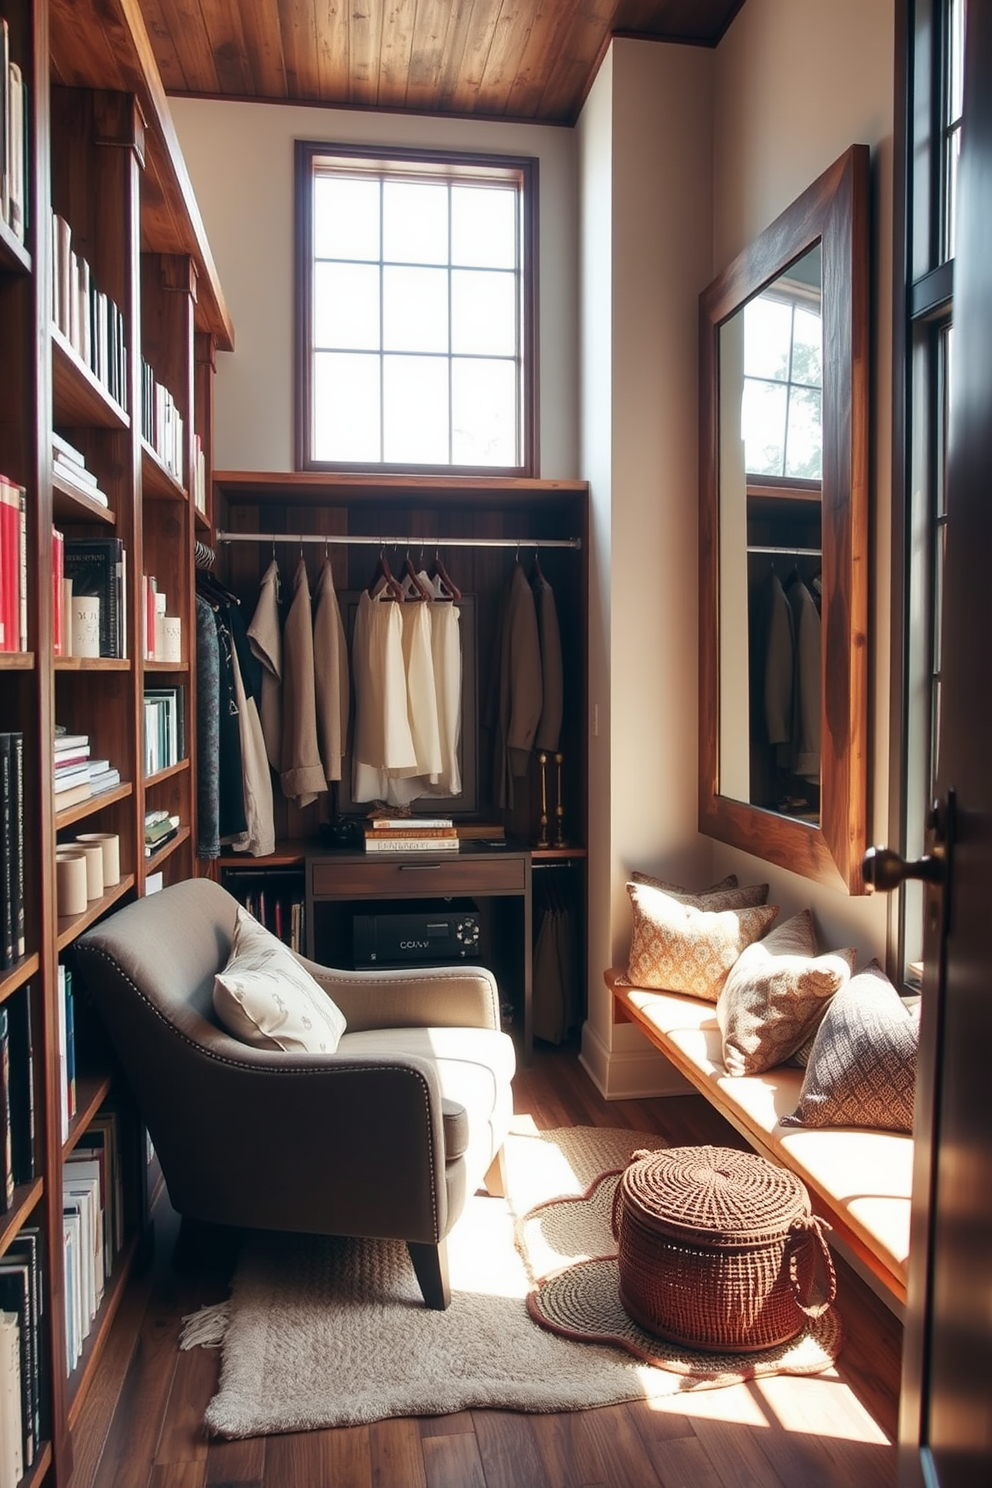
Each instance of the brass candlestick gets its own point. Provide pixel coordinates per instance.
(560, 838)
(543, 839)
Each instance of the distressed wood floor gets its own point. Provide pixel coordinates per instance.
(140, 1425)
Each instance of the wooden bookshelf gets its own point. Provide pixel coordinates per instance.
(102, 154)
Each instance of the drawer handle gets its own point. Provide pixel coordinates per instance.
(419, 867)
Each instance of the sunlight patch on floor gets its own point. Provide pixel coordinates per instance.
(820, 1405)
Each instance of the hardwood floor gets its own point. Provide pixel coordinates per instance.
(140, 1425)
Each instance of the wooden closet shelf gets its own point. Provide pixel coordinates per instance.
(76, 813)
(156, 859)
(14, 257)
(157, 481)
(78, 395)
(16, 661)
(91, 1092)
(69, 926)
(91, 664)
(26, 1198)
(13, 977)
(70, 505)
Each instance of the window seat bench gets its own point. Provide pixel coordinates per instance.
(860, 1181)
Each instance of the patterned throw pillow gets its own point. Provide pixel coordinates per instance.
(776, 994)
(726, 894)
(678, 948)
(862, 1067)
(267, 999)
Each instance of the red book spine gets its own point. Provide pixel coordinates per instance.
(58, 593)
(10, 564)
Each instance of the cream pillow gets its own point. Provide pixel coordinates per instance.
(776, 994)
(678, 948)
(267, 999)
(726, 894)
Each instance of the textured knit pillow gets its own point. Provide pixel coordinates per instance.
(726, 894)
(862, 1067)
(679, 948)
(267, 999)
(775, 995)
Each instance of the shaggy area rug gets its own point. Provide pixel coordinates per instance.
(325, 1332)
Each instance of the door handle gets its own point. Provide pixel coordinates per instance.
(884, 869)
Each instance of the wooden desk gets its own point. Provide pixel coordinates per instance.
(497, 879)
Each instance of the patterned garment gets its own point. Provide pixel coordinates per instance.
(207, 733)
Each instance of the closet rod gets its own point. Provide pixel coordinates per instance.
(787, 552)
(399, 542)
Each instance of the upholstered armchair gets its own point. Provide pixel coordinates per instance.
(387, 1136)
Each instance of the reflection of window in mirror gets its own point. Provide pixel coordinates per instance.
(771, 369)
(939, 33)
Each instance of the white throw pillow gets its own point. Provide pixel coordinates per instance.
(267, 999)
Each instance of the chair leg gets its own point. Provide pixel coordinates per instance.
(431, 1265)
(495, 1179)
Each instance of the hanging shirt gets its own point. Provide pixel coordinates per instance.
(331, 677)
(519, 692)
(779, 671)
(552, 670)
(446, 654)
(383, 740)
(265, 637)
(259, 836)
(302, 773)
(806, 689)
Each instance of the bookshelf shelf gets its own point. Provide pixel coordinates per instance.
(72, 926)
(157, 482)
(16, 661)
(14, 257)
(81, 1376)
(13, 977)
(167, 668)
(69, 505)
(167, 774)
(92, 804)
(203, 525)
(26, 1199)
(91, 1092)
(91, 664)
(79, 397)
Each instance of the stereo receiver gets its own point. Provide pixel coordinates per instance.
(420, 937)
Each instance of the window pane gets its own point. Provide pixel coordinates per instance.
(415, 309)
(763, 410)
(345, 218)
(483, 227)
(483, 413)
(346, 407)
(414, 222)
(804, 440)
(767, 333)
(415, 410)
(483, 313)
(806, 355)
(346, 306)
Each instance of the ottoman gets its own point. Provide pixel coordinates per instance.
(718, 1249)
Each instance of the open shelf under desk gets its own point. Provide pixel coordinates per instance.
(69, 926)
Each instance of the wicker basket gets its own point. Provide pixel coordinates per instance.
(718, 1249)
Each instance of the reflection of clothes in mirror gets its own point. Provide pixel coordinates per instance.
(806, 689)
(779, 670)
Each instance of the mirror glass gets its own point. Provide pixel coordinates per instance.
(783, 536)
(770, 476)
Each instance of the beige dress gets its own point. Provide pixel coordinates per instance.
(302, 773)
(331, 676)
(265, 639)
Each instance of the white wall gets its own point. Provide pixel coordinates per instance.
(644, 166)
(240, 159)
(795, 83)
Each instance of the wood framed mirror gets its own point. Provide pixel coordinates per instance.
(783, 537)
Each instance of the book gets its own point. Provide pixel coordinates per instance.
(395, 834)
(16, 1297)
(25, 1248)
(11, 578)
(407, 823)
(411, 844)
(11, 848)
(21, 1084)
(59, 647)
(11, 1424)
(96, 567)
(6, 1144)
(74, 795)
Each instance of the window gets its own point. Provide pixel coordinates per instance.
(415, 311)
(783, 383)
(933, 114)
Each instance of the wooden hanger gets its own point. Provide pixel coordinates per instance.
(383, 579)
(413, 586)
(449, 589)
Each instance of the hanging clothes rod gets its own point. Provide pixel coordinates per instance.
(399, 542)
(785, 552)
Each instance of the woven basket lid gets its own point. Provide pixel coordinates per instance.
(714, 1194)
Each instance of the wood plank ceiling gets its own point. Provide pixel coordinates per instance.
(531, 60)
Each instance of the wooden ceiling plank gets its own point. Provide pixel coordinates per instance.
(333, 50)
(191, 43)
(155, 14)
(225, 32)
(434, 25)
(263, 41)
(365, 25)
(298, 22)
(395, 52)
(572, 65)
(517, 22)
(472, 38)
(550, 34)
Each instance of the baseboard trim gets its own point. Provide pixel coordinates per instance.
(629, 1074)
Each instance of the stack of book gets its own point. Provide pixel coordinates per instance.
(20, 1354)
(87, 318)
(13, 566)
(92, 1225)
(69, 469)
(411, 834)
(160, 828)
(14, 171)
(12, 942)
(165, 737)
(72, 769)
(161, 422)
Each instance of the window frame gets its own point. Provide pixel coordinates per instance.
(433, 164)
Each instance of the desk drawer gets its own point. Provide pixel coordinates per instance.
(406, 877)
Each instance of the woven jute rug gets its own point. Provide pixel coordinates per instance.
(323, 1332)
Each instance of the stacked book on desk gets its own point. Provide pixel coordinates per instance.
(411, 834)
(77, 775)
(160, 828)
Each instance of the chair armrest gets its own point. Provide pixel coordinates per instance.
(429, 997)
